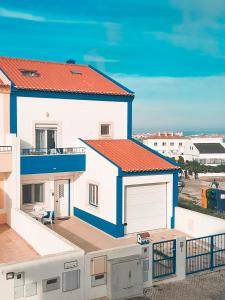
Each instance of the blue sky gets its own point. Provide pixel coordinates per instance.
(170, 52)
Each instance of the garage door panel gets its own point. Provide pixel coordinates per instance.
(145, 207)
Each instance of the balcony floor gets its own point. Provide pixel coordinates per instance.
(13, 248)
(90, 238)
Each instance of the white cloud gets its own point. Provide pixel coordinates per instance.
(113, 33)
(176, 102)
(98, 58)
(198, 27)
(20, 15)
(6, 13)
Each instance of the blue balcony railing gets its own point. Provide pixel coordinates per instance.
(57, 160)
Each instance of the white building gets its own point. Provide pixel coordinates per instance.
(77, 156)
(168, 144)
(207, 151)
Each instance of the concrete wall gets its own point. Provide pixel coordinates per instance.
(39, 269)
(42, 239)
(98, 171)
(75, 119)
(135, 180)
(196, 224)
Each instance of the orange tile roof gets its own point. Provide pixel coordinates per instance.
(130, 156)
(167, 136)
(58, 77)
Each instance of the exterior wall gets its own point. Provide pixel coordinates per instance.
(4, 114)
(102, 172)
(40, 269)
(196, 224)
(148, 179)
(75, 118)
(168, 150)
(49, 188)
(42, 239)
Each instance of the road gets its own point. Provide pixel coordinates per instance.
(209, 286)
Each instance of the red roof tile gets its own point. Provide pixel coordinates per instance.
(59, 77)
(130, 156)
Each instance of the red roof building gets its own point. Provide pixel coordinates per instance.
(130, 156)
(59, 77)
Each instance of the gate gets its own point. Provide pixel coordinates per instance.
(164, 258)
(205, 253)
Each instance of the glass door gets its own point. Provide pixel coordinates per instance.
(46, 138)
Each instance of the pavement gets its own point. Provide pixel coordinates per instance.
(207, 286)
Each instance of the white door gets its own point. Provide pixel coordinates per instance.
(145, 207)
(62, 198)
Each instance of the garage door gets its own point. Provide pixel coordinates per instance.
(145, 207)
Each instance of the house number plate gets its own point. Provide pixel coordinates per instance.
(71, 264)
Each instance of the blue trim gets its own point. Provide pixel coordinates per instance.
(101, 224)
(119, 169)
(43, 164)
(129, 120)
(72, 96)
(69, 196)
(170, 160)
(13, 112)
(175, 198)
(111, 79)
(119, 206)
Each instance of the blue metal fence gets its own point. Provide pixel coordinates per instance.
(164, 258)
(205, 253)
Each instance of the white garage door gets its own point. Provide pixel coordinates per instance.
(145, 207)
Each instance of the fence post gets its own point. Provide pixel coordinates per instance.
(211, 253)
(181, 257)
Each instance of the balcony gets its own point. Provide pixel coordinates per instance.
(5, 159)
(42, 161)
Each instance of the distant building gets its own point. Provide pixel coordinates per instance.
(206, 151)
(168, 144)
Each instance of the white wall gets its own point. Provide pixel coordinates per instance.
(42, 239)
(98, 171)
(102, 291)
(2, 132)
(76, 118)
(149, 179)
(40, 269)
(196, 224)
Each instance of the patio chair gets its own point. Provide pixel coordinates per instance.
(49, 218)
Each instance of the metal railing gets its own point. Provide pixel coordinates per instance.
(205, 253)
(52, 151)
(5, 149)
(164, 258)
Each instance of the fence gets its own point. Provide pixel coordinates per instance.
(205, 253)
(52, 151)
(164, 258)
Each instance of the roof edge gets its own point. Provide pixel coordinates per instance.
(113, 80)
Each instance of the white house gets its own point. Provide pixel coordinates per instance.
(206, 151)
(74, 149)
(168, 144)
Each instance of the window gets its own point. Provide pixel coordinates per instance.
(155, 144)
(171, 144)
(180, 144)
(105, 130)
(164, 143)
(93, 194)
(45, 137)
(30, 73)
(32, 193)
